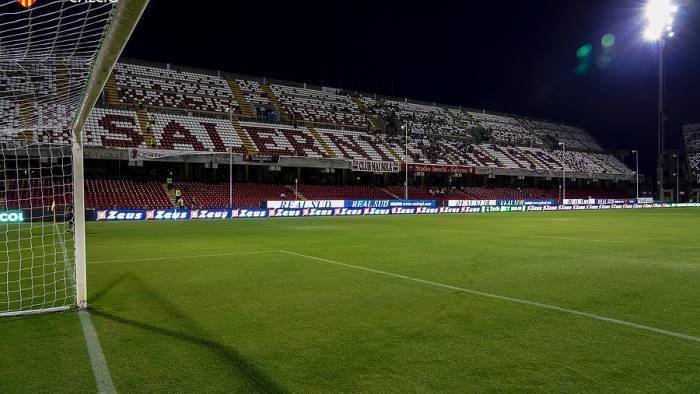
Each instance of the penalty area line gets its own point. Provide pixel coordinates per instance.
(198, 256)
(505, 298)
(103, 379)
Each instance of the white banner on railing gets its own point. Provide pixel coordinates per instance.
(157, 154)
(471, 203)
(375, 166)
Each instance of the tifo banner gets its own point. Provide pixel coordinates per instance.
(375, 166)
(297, 204)
(441, 169)
(11, 217)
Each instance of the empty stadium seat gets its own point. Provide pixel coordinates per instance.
(125, 194)
(245, 195)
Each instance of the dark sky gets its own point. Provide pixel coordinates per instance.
(509, 56)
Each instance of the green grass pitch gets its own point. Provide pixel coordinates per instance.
(193, 306)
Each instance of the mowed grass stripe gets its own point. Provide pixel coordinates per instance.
(199, 256)
(504, 298)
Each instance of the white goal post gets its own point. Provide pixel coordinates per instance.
(55, 59)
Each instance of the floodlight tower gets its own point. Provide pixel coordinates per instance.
(405, 185)
(677, 174)
(230, 164)
(660, 15)
(563, 172)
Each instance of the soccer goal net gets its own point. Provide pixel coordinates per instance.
(55, 57)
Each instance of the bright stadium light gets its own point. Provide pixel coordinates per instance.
(659, 14)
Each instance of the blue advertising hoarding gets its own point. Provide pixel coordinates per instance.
(389, 203)
(260, 213)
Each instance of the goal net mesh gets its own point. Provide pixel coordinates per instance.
(47, 52)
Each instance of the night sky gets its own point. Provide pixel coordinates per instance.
(510, 56)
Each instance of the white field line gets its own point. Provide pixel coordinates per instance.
(182, 257)
(103, 379)
(505, 298)
(611, 241)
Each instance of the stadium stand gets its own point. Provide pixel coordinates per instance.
(343, 192)
(124, 194)
(318, 106)
(245, 195)
(161, 88)
(506, 130)
(281, 140)
(692, 147)
(496, 193)
(121, 129)
(166, 109)
(433, 127)
(253, 92)
(33, 193)
(414, 192)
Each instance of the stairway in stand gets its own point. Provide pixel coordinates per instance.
(274, 101)
(148, 137)
(248, 144)
(296, 195)
(461, 124)
(26, 110)
(243, 103)
(320, 140)
(491, 156)
(111, 92)
(473, 119)
(392, 151)
(170, 193)
(391, 194)
(26, 121)
(62, 83)
(363, 108)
